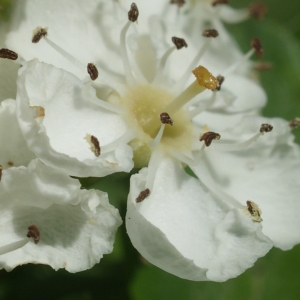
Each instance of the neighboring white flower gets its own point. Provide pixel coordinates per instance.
(74, 227)
(147, 97)
(14, 151)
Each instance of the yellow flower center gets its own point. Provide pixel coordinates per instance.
(143, 105)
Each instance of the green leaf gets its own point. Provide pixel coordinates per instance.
(275, 276)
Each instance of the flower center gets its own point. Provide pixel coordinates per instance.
(143, 105)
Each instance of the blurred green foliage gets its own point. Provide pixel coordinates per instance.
(124, 274)
(5, 6)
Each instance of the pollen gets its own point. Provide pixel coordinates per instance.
(205, 78)
(254, 211)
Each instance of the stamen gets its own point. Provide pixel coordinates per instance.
(166, 119)
(204, 80)
(133, 13)
(253, 209)
(8, 54)
(208, 137)
(179, 3)
(158, 137)
(258, 10)
(256, 45)
(294, 123)
(243, 145)
(94, 144)
(210, 33)
(220, 79)
(265, 128)
(217, 2)
(1, 172)
(39, 33)
(33, 232)
(196, 59)
(179, 43)
(93, 71)
(142, 196)
(43, 33)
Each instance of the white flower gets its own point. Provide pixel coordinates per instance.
(145, 95)
(70, 228)
(74, 227)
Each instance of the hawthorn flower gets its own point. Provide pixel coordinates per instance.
(71, 228)
(121, 85)
(46, 217)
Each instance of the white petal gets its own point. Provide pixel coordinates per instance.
(76, 226)
(267, 173)
(184, 229)
(71, 112)
(14, 151)
(80, 36)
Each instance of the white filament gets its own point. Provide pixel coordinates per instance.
(13, 246)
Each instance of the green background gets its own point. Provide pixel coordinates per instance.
(124, 274)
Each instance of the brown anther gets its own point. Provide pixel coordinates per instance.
(179, 3)
(179, 43)
(166, 119)
(210, 33)
(294, 123)
(10, 163)
(34, 233)
(142, 196)
(256, 45)
(254, 211)
(258, 10)
(38, 33)
(133, 13)
(263, 66)
(40, 111)
(93, 71)
(220, 79)
(8, 54)
(217, 2)
(265, 128)
(205, 78)
(94, 144)
(208, 137)
(1, 172)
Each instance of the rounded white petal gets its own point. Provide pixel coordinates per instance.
(184, 229)
(56, 111)
(79, 22)
(14, 151)
(267, 173)
(76, 226)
